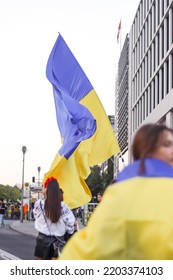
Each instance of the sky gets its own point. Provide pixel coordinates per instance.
(28, 31)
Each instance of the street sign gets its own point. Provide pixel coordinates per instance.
(35, 187)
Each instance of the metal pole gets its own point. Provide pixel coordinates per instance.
(24, 149)
(39, 169)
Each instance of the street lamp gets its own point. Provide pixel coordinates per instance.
(24, 149)
(39, 169)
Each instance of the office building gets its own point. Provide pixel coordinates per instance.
(151, 65)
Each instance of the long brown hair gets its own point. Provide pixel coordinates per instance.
(145, 142)
(53, 202)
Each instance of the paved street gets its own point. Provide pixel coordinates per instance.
(17, 240)
(14, 245)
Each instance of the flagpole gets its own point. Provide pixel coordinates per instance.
(120, 36)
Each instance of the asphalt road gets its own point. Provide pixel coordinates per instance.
(16, 244)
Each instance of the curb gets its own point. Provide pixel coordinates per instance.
(21, 231)
(7, 256)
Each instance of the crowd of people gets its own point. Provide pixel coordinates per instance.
(9, 210)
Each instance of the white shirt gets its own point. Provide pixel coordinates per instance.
(64, 224)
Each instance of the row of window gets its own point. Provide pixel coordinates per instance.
(149, 13)
(159, 86)
(159, 45)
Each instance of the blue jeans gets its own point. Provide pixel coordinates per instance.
(1, 220)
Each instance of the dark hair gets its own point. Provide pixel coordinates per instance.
(53, 201)
(61, 194)
(99, 193)
(145, 142)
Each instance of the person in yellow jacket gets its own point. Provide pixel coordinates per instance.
(134, 220)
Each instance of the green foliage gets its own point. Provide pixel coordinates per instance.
(98, 182)
(7, 192)
(108, 177)
(94, 180)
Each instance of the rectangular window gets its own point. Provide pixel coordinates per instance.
(144, 73)
(150, 99)
(158, 12)
(132, 120)
(154, 99)
(158, 52)
(144, 2)
(135, 118)
(154, 18)
(140, 110)
(163, 7)
(162, 41)
(141, 45)
(167, 27)
(139, 53)
(162, 77)
(144, 39)
(135, 88)
(167, 77)
(142, 12)
(146, 103)
(154, 58)
(136, 58)
(144, 106)
(172, 23)
(147, 33)
(172, 64)
(147, 67)
(137, 112)
(150, 27)
(158, 89)
(150, 62)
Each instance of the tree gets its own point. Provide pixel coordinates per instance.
(7, 192)
(109, 175)
(95, 181)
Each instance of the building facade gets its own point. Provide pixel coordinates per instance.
(151, 65)
(121, 106)
(122, 97)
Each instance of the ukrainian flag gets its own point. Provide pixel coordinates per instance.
(87, 136)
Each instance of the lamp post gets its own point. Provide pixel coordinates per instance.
(24, 149)
(39, 169)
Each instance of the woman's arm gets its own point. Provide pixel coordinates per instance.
(68, 218)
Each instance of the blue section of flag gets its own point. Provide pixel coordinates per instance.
(70, 85)
(65, 73)
(153, 168)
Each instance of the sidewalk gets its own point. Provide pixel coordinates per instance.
(24, 227)
(28, 227)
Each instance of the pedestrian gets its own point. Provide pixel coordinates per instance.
(2, 212)
(134, 220)
(151, 141)
(52, 219)
(99, 197)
